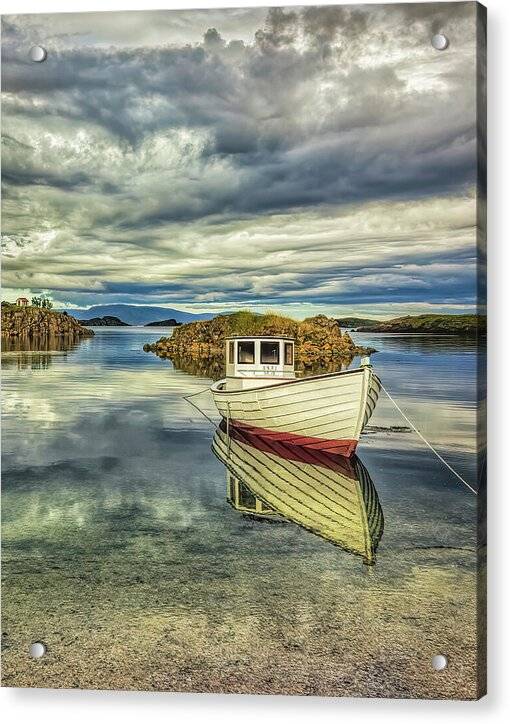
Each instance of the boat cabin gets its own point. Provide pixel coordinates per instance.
(241, 498)
(258, 361)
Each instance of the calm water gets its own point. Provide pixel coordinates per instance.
(121, 552)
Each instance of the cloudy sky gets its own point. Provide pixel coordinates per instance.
(318, 159)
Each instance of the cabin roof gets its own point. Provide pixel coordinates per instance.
(259, 336)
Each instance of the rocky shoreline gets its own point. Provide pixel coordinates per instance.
(33, 322)
(320, 343)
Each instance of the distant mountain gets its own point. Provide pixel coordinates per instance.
(137, 315)
(165, 323)
(103, 322)
(351, 322)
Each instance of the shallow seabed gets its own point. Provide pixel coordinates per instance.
(122, 555)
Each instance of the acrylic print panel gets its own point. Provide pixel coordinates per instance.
(243, 342)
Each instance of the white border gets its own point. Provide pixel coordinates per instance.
(79, 707)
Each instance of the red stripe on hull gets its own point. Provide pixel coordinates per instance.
(256, 436)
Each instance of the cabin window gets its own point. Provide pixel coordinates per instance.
(246, 353)
(231, 493)
(269, 353)
(230, 353)
(289, 353)
(246, 497)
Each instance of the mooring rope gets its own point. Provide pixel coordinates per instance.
(427, 443)
(409, 422)
(187, 398)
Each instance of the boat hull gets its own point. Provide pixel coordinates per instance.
(324, 412)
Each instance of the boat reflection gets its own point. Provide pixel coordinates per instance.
(328, 495)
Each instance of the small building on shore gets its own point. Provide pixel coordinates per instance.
(22, 302)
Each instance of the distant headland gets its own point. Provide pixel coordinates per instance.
(469, 325)
(104, 322)
(165, 323)
(354, 322)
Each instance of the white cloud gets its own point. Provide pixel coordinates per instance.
(310, 161)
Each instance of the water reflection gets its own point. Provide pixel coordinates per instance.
(40, 343)
(421, 343)
(214, 367)
(35, 352)
(329, 495)
(114, 518)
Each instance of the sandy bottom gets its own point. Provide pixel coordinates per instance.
(243, 624)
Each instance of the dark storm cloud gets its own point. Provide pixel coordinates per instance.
(126, 144)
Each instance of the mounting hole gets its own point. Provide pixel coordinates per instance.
(38, 54)
(439, 662)
(440, 41)
(37, 650)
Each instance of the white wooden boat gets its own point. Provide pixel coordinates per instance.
(323, 412)
(329, 495)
